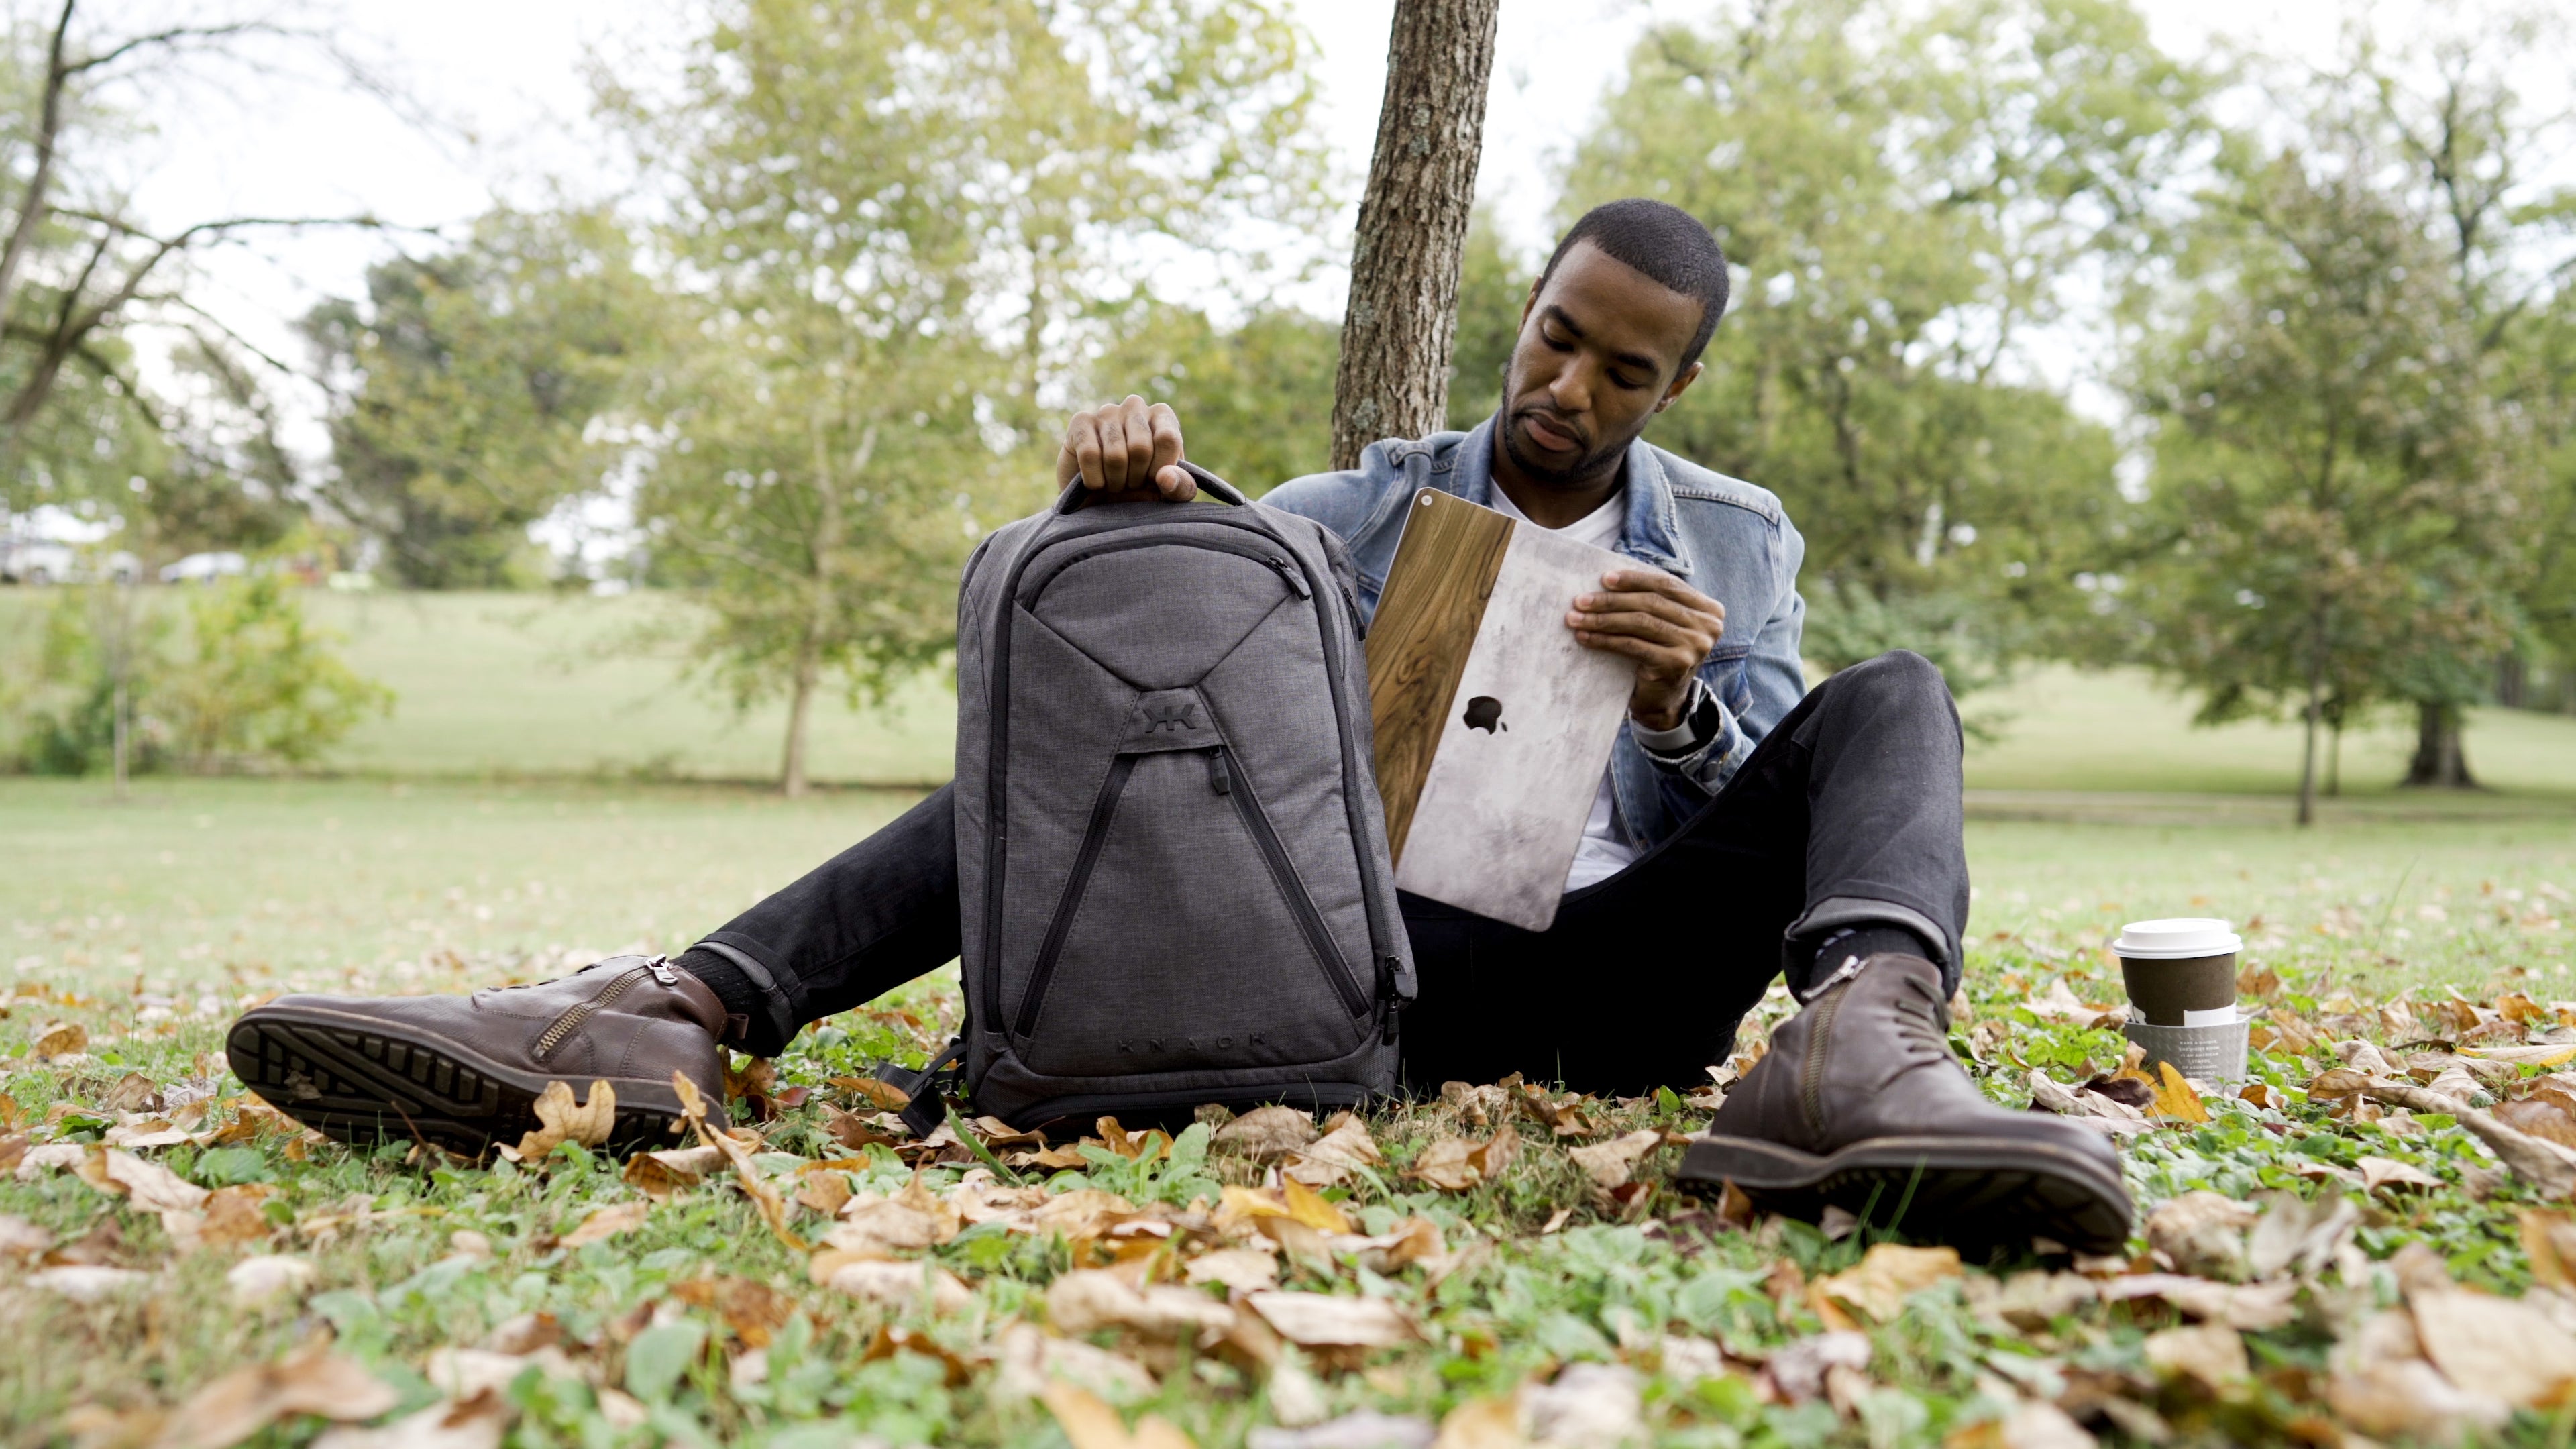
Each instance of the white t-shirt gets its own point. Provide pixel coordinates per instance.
(1606, 849)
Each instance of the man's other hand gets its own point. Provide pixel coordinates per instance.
(1126, 451)
(1667, 626)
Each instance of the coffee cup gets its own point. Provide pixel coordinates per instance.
(2181, 976)
(2180, 972)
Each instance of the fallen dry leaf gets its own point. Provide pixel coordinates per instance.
(1312, 1209)
(2546, 1165)
(1609, 1163)
(1091, 1424)
(148, 1185)
(1490, 1423)
(1453, 1164)
(1245, 1270)
(1589, 1406)
(560, 1121)
(605, 1223)
(315, 1381)
(2379, 1172)
(901, 1284)
(2175, 1097)
(1798, 1373)
(2202, 1232)
(2546, 1118)
(884, 1096)
(1313, 1319)
(660, 1174)
(1886, 1276)
(874, 1226)
(752, 1309)
(2252, 1307)
(57, 1039)
(1089, 1299)
(1266, 1132)
(257, 1280)
(2501, 1348)
(236, 1215)
(822, 1187)
(2209, 1353)
(1030, 1360)
(764, 1198)
(1335, 1157)
(471, 1423)
(2549, 1241)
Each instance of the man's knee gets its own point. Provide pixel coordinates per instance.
(1896, 674)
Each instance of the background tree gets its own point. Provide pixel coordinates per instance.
(465, 389)
(1393, 378)
(1257, 398)
(890, 226)
(79, 265)
(2460, 148)
(1906, 198)
(2333, 486)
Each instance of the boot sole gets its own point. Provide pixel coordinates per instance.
(1967, 1191)
(354, 1080)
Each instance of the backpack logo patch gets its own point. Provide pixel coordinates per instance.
(1172, 714)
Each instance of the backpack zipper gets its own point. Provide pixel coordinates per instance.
(1095, 836)
(581, 1011)
(1292, 889)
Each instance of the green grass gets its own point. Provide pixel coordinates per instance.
(498, 831)
(513, 685)
(150, 922)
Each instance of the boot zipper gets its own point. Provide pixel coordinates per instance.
(1811, 1072)
(660, 966)
(580, 1012)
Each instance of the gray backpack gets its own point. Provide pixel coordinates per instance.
(1172, 866)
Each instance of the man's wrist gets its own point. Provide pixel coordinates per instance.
(1687, 731)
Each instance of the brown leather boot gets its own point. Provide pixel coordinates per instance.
(1861, 1105)
(464, 1072)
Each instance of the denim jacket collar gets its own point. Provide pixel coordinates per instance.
(1649, 533)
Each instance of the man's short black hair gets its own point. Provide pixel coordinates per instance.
(1664, 242)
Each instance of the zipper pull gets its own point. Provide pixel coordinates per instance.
(660, 966)
(1218, 779)
(1295, 576)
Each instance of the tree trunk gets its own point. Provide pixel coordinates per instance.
(2441, 761)
(2334, 762)
(821, 604)
(1402, 320)
(2315, 710)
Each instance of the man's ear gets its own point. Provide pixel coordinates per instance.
(1680, 385)
(1531, 300)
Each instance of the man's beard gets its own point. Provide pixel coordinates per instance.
(1530, 463)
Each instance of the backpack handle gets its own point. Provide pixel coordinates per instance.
(1074, 493)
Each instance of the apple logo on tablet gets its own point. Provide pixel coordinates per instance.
(1485, 712)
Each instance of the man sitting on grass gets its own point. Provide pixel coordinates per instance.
(1746, 827)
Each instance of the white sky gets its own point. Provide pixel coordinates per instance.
(506, 77)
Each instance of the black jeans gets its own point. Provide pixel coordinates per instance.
(1846, 815)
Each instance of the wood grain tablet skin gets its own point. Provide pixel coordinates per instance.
(1437, 588)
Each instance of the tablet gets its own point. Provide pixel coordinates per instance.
(1493, 725)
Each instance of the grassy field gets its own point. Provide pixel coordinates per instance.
(495, 685)
(506, 823)
(239, 1273)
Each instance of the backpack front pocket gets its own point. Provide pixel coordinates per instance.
(1127, 978)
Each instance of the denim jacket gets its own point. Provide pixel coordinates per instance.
(1724, 537)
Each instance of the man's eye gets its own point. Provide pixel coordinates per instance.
(1627, 382)
(1551, 339)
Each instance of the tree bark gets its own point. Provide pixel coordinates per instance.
(1402, 321)
(2441, 761)
(2316, 708)
(820, 606)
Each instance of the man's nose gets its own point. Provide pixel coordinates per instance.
(1572, 389)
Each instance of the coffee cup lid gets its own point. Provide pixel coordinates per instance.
(2176, 940)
